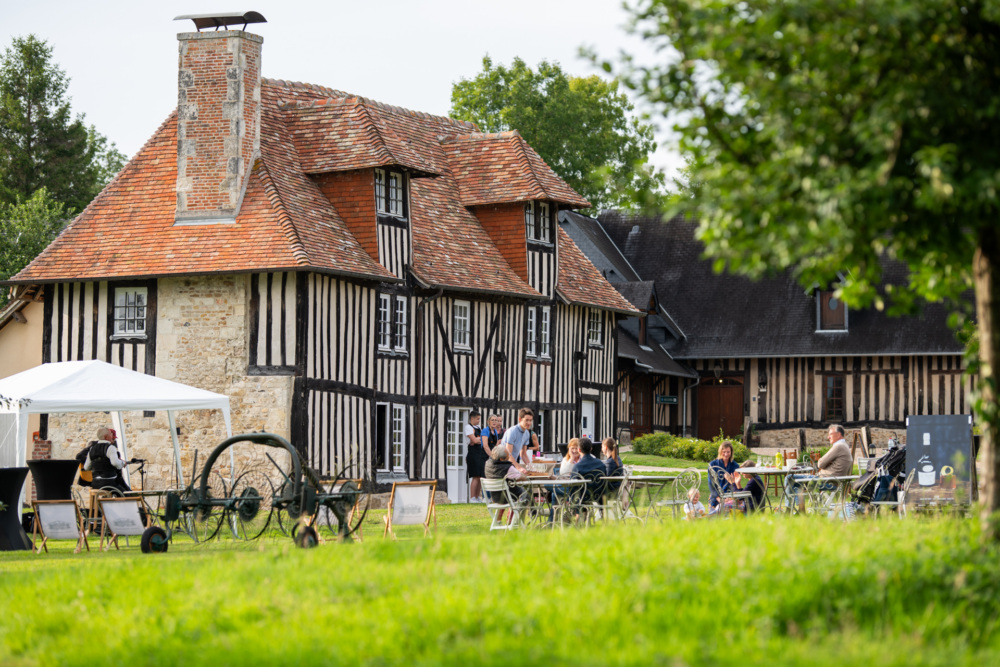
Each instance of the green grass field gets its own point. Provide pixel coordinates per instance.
(630, 459)
(761, 590)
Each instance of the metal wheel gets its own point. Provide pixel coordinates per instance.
(208, 519)
(251, 511)
(354, 509)
(288, 510)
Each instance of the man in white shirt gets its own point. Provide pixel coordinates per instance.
(518, 437)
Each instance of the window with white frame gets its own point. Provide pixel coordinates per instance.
(531, 340)
(390, 192)
(460, 326)
(130, 312)
(390, 437)
(397, 437)
(400, 325)
(538, 221)
(393, 324)
(545, 314)
(538, 340)
(384, 322)
(595, 332)
(455, 437)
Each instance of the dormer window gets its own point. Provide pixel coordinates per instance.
(538, 221)
(832, 312)
(390, 193)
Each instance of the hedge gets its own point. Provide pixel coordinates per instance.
(676, 447)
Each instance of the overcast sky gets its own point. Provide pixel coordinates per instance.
(121, 56)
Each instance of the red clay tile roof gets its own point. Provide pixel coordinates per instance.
(343, 134)
(580, 283)
(503, 168)
(286, 222)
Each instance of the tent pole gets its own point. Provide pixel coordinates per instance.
(119, 424)
(177, 448)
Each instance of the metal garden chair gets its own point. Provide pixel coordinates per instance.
(734, 496)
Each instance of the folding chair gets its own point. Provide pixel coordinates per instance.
(735, 496)
(411, 504)
(496, 509)
(58, 520)
(122, 518)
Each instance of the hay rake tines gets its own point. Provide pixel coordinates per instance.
(248, 502)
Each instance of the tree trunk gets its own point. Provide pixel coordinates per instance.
(986, 274)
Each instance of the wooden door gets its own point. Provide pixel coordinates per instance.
(720, 406)
(642, 405)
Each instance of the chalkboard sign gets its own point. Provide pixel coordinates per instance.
(939, 448)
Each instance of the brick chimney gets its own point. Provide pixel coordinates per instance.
(218, 123)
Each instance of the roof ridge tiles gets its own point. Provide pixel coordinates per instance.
(479, 136)
(526, 167)
(297, 248)
(334, 93)
(376, 134)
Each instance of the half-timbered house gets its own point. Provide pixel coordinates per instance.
(354, 275)
(771, 351)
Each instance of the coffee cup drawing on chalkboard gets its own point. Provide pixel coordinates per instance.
(926, 475)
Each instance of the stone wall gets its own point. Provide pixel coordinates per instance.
(788, 438)
(201, 341)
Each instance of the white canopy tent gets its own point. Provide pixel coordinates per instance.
(93, 386)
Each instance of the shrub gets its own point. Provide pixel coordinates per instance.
(676, 447)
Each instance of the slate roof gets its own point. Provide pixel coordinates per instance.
(286, 223)
(638, 292)
(651, 358)
(503, 168)
(590, 237)
(726, 315)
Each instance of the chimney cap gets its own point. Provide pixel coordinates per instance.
(217, 21)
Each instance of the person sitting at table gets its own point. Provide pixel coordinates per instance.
(500, 467)
(572, 456)
(103, 460)
(754, 485)
(588, 462)
(723, 468)
(837, 462)
(612, 462)
(693, 509)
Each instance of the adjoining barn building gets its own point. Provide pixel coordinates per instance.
(770, 352)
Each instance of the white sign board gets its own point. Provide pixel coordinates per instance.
(410, 505)
(123, 516)
(59, 520)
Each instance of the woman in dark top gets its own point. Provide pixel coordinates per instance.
(475, 457)
(612, 462)
(723, 468)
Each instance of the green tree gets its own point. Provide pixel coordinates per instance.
(583, 127)
(823, 135)
(41, 143)
(26, 227)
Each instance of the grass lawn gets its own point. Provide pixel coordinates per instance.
(630, 459)
(761, 590)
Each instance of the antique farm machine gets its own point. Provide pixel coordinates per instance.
(270, 486)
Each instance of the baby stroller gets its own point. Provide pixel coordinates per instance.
(883, 479)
